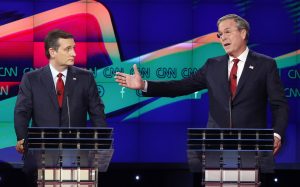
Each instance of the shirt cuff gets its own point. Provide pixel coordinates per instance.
(277, 135)
(146, 86)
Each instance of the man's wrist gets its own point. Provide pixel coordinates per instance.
(145, 86)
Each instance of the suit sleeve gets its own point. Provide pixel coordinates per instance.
(23, 108)
(277, 100)
(176, 88)
(96, 106)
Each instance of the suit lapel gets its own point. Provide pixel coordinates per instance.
(70, 82)
(246, 73)
(47, 80)
(224, 75)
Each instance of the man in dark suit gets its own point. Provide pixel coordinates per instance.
(240, 84)
(57, 95)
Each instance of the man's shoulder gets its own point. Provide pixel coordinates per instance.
(36, 72)
(264, 61)
(260, 56)
(222, 57)
(218, 59)
(80, 71)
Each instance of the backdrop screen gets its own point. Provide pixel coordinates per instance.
(167, 40)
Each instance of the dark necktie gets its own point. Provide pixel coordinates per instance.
(60, 89)
(233, 77)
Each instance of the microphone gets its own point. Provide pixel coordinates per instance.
(59, 94)
(68, 107)
(230, 112)
(230, 105)
(234, 76)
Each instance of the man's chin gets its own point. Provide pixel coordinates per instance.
(228, 51)
(70, 63)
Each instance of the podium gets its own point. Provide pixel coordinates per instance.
(230, 157)
(70, 157)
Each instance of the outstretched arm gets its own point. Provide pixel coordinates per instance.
(134, 81)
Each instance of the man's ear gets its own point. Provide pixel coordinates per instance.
(52, 52)
(244, 33)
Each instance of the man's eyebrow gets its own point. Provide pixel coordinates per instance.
(70, 46)
(224, 29)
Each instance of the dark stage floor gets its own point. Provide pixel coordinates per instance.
(151, 175)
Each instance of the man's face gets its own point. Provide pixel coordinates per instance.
(232, 39)
(65, 54)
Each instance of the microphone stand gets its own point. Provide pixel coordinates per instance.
(230, 111)
(230, 104)
(69, 115)
(58, 93)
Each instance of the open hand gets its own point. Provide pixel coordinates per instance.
(134, 81)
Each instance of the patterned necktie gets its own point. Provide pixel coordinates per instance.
(233, 77)
(60, 89)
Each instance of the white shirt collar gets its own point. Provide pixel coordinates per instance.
(54, 72)
(242, 56)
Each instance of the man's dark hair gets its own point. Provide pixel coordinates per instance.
(240, 22)
(51, 40)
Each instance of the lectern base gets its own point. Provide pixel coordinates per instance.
(67, 177)
(66, 184)
(231, 175)
(230, 185)
(231, 178)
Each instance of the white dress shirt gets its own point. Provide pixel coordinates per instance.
(54, 73)
(240, 65)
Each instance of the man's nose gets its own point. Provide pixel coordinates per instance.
(223, 38)
(73, 53)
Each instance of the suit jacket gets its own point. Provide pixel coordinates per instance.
(258, 84)
(37, 101)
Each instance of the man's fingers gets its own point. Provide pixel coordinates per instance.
(276, 149)
(120, 78)
(122, 84)
(136, 71)
(121, 74)
(127, 80)
(20, 148)
(277, 145)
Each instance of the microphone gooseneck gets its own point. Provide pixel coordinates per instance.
(58, 92)
(230, 105)
(69, 115)
(230, 112)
